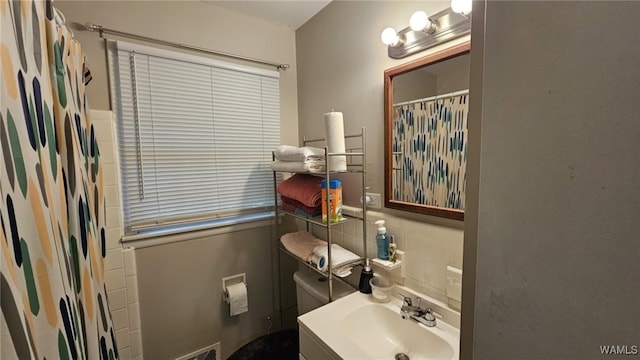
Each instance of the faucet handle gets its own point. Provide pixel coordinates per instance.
(428, 315)
(406, 300)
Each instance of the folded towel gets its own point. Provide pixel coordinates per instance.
(305, 214)
(341, 259)
(303, 188)
(301, 244)
(300, 211)
(290, 204)
(314, 167)
(299, 154)
(340, 271)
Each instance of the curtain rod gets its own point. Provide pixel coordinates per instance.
(455, 93)
(102, 30)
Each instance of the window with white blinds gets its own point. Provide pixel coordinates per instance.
(195, 136)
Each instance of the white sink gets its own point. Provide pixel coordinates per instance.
(356, 327)
(382, 333)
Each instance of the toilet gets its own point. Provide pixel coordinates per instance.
(312, 290)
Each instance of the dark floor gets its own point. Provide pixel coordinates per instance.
(281, 345)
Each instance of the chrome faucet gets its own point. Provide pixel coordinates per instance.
(421, 315)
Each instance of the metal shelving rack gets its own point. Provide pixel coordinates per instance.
(355, 152)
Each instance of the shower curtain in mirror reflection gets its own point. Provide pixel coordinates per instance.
(430, 152)
(54, 303)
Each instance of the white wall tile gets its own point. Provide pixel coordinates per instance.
(349, 243)
(125, 353)
(132, 289)
(359, 247)
(110, 174)
(415, 285)
(358, 229)
(102, 129)
(122, 292)
(114, 279)
(117, 299)
(129, 262)
(112, 195)
(120, 319)
(134, 318)
(113, 238)
(113, 217)
(436, 250)
(349, 228)
(435, 293)
(373, 216)
(455, 249)
(122, 338)
(338, 227)
(372, 248)
(372, 231)
(106, 152)
(114, 260)
(136, 343)
(414, 259)
(436, 276)
(336, 237)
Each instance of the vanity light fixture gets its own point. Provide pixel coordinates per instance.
(461, 6)
(426, 31)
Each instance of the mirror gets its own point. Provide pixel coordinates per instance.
(425, 113)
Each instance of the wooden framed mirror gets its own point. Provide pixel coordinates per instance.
(425, 133)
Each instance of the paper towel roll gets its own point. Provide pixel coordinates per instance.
(320, 261)
(334, 133)
(237, 299)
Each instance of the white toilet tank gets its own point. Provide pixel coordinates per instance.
(312, 290)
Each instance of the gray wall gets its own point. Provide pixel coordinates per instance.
(414, 85)
(552, 231)
(435, 79)
(180, 292)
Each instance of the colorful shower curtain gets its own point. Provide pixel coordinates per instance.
(52, 290)
(430, 151)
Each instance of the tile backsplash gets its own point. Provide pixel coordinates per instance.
(428, 249)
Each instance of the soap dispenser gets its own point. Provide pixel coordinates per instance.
(382, 240)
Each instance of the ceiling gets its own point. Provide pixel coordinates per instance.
(292, 14)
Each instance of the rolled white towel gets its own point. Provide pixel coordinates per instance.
(299, 154)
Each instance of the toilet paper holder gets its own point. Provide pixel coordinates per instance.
(232, 280)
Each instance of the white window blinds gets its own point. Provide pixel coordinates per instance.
(196, 136)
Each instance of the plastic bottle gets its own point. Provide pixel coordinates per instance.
(382, 240)
(393, 256)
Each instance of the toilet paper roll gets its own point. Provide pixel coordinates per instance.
(237, 299)
(334, 133)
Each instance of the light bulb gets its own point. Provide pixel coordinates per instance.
(389, 36)
(461, 6)
(419, 20)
